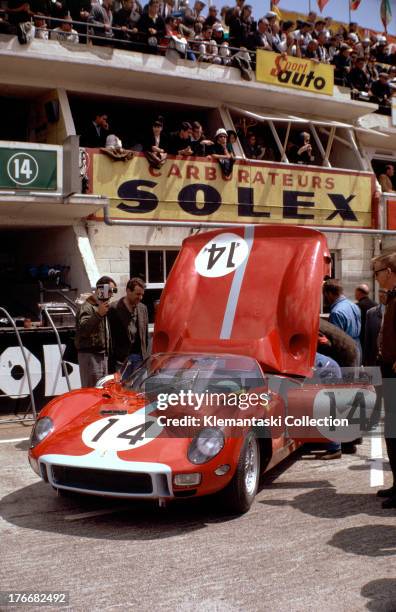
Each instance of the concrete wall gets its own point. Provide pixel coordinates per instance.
(111, 245)
(354, 253)
(42, 126)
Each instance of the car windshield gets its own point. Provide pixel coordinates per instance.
(195, 372)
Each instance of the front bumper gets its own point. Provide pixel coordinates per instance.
(107, 475)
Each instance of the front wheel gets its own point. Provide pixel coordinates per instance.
(241, 491)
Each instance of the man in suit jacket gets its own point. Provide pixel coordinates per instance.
(128, 320)
(373, 325)
(96, 132)
(365, 303)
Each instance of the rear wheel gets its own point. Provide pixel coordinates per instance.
(241, 491)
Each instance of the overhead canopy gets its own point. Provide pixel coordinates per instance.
(282, 117)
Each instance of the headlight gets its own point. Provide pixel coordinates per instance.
(206, 445)
(42, 428)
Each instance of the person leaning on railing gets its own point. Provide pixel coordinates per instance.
(220, 152)
(126, 19)
(359, 80)
(65, 32)
(101, 16)
(155, 144)
(208, 50)
(342, 63)
(40, 23)
(79, 10)
(152, 26)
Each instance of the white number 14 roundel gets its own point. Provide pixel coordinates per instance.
(118, 433)
(221, 255)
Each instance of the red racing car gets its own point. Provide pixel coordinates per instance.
(230, 389)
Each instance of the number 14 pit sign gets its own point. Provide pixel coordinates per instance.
(28, 169)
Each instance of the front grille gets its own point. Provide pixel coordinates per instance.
(101, 480)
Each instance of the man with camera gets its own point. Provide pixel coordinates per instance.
(128, 321)
(92, 332)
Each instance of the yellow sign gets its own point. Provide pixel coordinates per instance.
(295, 72)
(257, 192)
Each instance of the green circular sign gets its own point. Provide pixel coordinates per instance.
(22, 168)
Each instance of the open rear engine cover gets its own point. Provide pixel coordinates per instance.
(252, 291)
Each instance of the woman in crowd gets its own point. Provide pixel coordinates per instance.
(221, 153)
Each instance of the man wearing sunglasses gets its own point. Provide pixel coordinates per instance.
(92, 332)
(384, 268)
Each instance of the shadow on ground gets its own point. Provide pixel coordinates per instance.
(369, 540)
(38, 507)
(382, 595)
(327, 503)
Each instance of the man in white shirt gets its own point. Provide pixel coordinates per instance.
(65, 32)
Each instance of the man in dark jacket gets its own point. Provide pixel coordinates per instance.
(92, 335)
(358, 78)
(365, 303)
(372, 329)
(342, 63)
(95, 134)
(128, 321)
(384, 268)
(180, 142)
(380, 90)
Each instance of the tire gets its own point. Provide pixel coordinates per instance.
(239, 494)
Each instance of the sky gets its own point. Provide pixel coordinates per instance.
(367, 15)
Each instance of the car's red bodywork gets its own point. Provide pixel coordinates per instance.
(275, 299)
(251, 291)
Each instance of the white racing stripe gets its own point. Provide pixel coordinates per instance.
(13, 440)
(235, 290)
(376, 467)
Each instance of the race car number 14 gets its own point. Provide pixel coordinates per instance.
(221, 255)
(119, 433)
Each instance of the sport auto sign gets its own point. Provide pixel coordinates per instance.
(28, 169)
(294, 72)
(257, 192)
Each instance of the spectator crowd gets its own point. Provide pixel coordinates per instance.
(228, 36)
(190, 140)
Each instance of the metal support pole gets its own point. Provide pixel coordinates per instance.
(206, 224)
(278, 142)
(63, 364)
(319, 145)
(330, 144)
(11, 320)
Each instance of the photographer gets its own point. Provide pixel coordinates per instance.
(128, 321)
(92, 332)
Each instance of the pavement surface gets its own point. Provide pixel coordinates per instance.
(315, 539)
